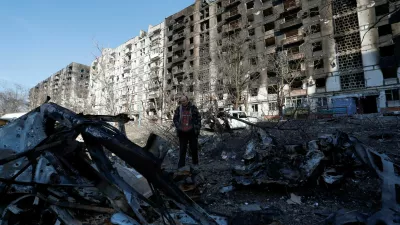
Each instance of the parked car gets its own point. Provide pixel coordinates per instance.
(236, 124)
(9, 117)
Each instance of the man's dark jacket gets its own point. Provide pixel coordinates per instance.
(195, 118)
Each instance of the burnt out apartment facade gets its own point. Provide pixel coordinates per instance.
(68, 87)
(345, 50)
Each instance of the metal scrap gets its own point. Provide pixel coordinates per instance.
(41, 160)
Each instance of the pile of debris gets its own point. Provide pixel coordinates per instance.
(189, 180)
(48, 177)
(327, 161)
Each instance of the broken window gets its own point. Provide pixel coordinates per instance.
(254, 107)
(319, 64)
(385, 30)
(191, 51)
(343, 5)
(390, 72)
(273, 106)
(386, 51)
(294, 50)
(291, 33)
(320, 82)
(191, 40)
(314, 11)
(272, 89)
(316, 28)
(254, 92)
(251, 32)
(250, 18)
(323, 101)
(253, 61)
(191, 17)
(169, 59)
(392, 95)
(268, 12)
(271, 74)
(294, 65)
(191, 63)
(250, 5)
(170, 49)
(382, 10)
(269, 26)
(170, 38)
(297, 83)
(252, 46)
(317, 46)
(289, 3)
(219, 18)
(270, 41)
(191, 28)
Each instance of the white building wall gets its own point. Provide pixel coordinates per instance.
(130, 69)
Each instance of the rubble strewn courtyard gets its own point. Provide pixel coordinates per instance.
(223, 157)
(58, 167)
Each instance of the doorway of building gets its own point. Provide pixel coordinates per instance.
(369, 104)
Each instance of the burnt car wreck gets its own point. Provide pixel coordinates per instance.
(48, 177)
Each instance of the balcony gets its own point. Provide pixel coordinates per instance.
(127, 66)
(177, 59)
(231, 3)
(232, 27)
(155, 56)
(179, 26)
(179, 37)
(291, 4)
(290, 23)
(128, 51)
(177, 71)
(154, 66)
(295, 56)
(153, 75)
(390, 81)
(292, 39)
(232, 15)
(153, 92)
(298, 92)
(177, 47)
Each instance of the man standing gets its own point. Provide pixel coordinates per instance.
(187, 121)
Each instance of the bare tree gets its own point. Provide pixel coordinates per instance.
(13, 99)
(102, 83)
(285, 74)
(237, 69)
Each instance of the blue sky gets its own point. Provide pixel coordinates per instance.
(40, 37)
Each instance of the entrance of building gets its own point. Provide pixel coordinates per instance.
(368, 104)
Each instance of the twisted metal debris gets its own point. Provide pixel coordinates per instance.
(49, 177)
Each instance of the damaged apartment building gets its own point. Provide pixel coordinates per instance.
(129, 79)
(345, 48)
(68, 87)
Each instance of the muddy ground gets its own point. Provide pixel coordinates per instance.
(317, 202)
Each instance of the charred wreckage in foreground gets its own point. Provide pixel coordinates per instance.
(48, 177)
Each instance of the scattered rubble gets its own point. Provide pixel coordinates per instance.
(294, 199)
(47, 177)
